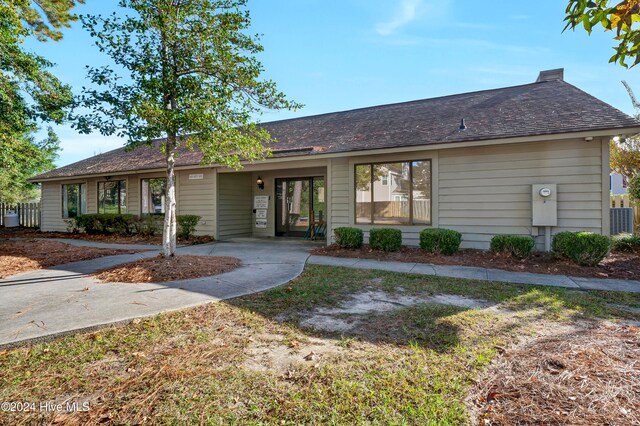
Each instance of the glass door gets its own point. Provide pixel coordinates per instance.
(299, 203)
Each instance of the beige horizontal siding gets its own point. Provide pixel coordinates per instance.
(234, 205)
(51, 200)
(339, 195)
(198, 197)
(486, 191)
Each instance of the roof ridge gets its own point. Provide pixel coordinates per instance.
(474, 92)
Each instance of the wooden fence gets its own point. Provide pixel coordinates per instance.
(384, 210)
(28, 213)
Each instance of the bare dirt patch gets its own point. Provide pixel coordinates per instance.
(586, 377)
(356, 310)
(27, 255)
(616, 265)
(112, 239)
(161, 269)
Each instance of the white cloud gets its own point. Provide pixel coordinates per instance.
(407, 12)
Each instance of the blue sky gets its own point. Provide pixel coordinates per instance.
(338, 55)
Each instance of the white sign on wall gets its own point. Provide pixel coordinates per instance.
(261, 213)
(197, 176)
(261, 202)
(261, 223)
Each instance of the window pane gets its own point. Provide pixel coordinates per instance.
(153, 195)
(123, 196)
(421, 192)
(391, 201)
(70, 200)
(108, 197)
(363, 193)
(83, 198)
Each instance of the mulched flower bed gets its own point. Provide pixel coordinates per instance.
(160, 269)
(616, 265)
(27, 255)
(113, 239)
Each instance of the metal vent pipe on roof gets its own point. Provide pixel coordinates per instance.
(462, 125)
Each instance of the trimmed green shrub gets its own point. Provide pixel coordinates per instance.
(583, 248)
(105, 223)
(350, 238)
(385, 239)
(562, 242)
(147, 225)
(440, 240)
(187, 225)
(625, 242)
(519, 246)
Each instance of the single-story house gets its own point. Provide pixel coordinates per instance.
(525, 160)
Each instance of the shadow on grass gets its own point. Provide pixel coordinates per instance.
(439, 327)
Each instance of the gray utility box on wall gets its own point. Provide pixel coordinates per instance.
(544, 203)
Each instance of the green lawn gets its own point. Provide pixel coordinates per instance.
(235, 363)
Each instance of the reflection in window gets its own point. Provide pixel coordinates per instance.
(154, 193)
(421, 191)
(112, 197)
(393, 193)
(363, 193)
(74, 200)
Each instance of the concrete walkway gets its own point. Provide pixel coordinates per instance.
(62, 299)
(483, 274)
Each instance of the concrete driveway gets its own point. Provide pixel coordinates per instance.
(63, 299)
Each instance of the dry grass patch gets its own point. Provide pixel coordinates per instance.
(28, 255)
(238, 363)
(161, 269)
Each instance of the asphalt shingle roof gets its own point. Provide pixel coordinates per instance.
(541, 108)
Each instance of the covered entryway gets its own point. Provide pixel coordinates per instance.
(287, 202)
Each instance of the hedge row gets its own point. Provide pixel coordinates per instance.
(583, 248)
(129, 224)
(445, 241)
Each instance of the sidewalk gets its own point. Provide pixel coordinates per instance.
(482, 274)
(64, 299)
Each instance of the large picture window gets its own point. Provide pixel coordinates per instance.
(112, 197)
(154, 194)
(74, 200)
(397, 193)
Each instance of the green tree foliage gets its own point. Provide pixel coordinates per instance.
(29, 92)
(22, 158)
(187, 73)
(621, 17)
(625, 152)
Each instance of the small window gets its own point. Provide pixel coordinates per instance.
(112, 197)
(154, 193)
(74, 200)
(385, 180)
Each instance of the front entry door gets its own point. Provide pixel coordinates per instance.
(298, 202)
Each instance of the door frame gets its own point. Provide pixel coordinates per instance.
(278, 206)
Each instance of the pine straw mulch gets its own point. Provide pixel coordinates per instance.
(111, 239)
(161, 269)
(616, 265)
(18, 256)
(590, 378)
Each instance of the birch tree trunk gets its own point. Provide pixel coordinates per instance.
(169, 231)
